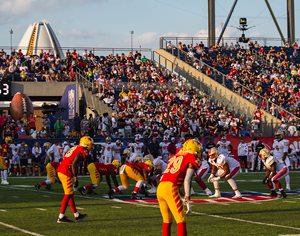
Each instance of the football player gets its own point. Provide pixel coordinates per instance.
(275, 170)
(67, 174)
(137, 171)
(180, 170)
(223, 166)
(159, 166)
(200, 174)
(117, 150)
(4, 159)
(51, 176)
(107, 150)
(280, 151)
(222, 145)
(164, 148)
(138, 147)
(96, 170)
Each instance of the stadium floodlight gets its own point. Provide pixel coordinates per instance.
(131, 39)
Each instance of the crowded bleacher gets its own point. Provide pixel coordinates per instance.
(269, 74)
(147, 101)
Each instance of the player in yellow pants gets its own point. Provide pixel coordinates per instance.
(51, 176)
(180, 169)
(135, 171)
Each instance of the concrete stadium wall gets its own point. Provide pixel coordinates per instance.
(40, 88)
(219, 93)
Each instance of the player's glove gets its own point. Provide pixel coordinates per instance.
(75, 181)
(266, 180)
(188, 206)
(209, 178)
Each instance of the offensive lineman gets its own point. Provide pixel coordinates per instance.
(280, 151)
(275, 170)
(223, 166)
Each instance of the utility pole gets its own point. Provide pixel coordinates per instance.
(131, 40)
(11, 37)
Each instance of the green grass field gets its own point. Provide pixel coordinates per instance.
(33, 212)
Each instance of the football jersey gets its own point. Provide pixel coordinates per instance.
(104, 169)
(117, 151)
(279, 148)
(177, 166)
(270, 160)
(137, 147)
(221, 160)
(164, 147)
(223, 147)
(108, 148)
(140, 166)
(65, 166)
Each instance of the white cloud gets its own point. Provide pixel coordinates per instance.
(77, 33)
(23, 7)
(15, 7)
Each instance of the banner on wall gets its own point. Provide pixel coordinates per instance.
(68, 102)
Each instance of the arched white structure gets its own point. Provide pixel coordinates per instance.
(40, 36)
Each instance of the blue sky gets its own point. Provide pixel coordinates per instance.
(107, 23)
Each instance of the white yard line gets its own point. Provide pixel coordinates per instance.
(41, 209)
(19, 229)
(3, 210)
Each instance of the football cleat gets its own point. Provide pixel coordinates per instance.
(37, 186)
(48, 186)
(133, 196)
(273, 193)
(283, 194)
(64, 220)
(215, 195)
(110, 193)
(82, 191)
(237, 196)
(80, 217)
(5, 182)
(208, 192)
(152, 190)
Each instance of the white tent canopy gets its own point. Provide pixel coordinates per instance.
(40, 36)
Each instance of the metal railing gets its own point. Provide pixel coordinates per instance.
(263, 41)
(79, 49)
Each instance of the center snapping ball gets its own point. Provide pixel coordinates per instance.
(20, 105)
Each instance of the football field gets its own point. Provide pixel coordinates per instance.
(25, 211)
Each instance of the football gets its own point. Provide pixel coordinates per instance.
(20, 105)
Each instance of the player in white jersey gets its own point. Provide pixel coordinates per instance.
(223, 166)
(253, 144)
(222, 145)
(275, 170)
(117, 150)
(56, 151)
(280, 151)
(137, 147)
(243, 150)
(200, 174)
(107, 151)
(295, 149)
(159, 167)
(164, 149)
